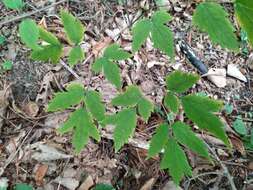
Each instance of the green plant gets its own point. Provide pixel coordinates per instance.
(50, 48)
(13, 4)
(89, 113)
(23, 186)
(7, 65)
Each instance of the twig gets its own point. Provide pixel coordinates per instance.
(69, 69)
(9, 20)
(225, 169)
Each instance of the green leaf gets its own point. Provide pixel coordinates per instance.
(125, 123)
(185, 136)
(94, 105)
(112, 73)
(73, 27)
(98, 65)
(210, 17)
(48, 53)
(102, 186)
(7, 65)
(175, 160)
(201, 111)
(180, 82)
(161, 17)
(171, 102)
(240, 126)
(130, 97)
(29, 33)
(228, 108)
(159, 140)
(2, 40)
(48, 37)
(23, 186)
(13, 4)
(145, 108)
(81, 122)
(114, 52)
(76, 54)
(63, 100)
(163, 39)
(141, 31)
(244, 14)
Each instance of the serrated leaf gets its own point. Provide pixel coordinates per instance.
(161, 17)
(13, 4)
(201, 111)
(112, 73)
(94, 105)
(240, 126)
(114, 52)
(175, 160)
(159, 140)
(73, 27)
(185, 136)
(244, 14)
(210, 17)
(75, 55)
(48, 53)
(63, 100)
(171, 102)
(81, 122)
(141, 31)
(29, 33)
(163, 39)
(145, 108)
(125, 123)
(48, 37)
(130, 97)
(97, 66)
(180, 82)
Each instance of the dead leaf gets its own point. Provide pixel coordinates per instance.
(31, 109)
(40, 174)
(87, 184)
(217, 77)
(237, 144)
(99, 46)
(170, 185)
(148, 184)
(233, 71)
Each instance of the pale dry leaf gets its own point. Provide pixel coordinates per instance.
(148, 184)
(217, 77)
(69, 183)
(170, 185)
(31, 109)
(233, 71)
(99, 46)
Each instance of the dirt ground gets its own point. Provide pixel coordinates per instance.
(32, 152)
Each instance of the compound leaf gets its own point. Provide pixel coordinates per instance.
(161, 17)
(63, 100)
(244, 14)
(114, 52)
(210, 17)
(29, 33)
(13, 4)
(175, 160)
(125, 123)
(48, 53)
(185, 136)
(112, 73)
(171, 102)
(48, 37)
(94, 105)
(141, 31)
(158, 141)
(180, 82)
(200, 110)
(75, 55)
(145, 108)
(73, 27)
(81, 122)
(163, 39)
(130, 97)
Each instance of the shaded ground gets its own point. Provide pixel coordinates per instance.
(30, 85)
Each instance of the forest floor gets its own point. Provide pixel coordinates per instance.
(32, 152)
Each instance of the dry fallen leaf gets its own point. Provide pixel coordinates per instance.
(99, 46)
(40, 174)
(87, 184)
(148, 184)
(31, 109)
(217, 77)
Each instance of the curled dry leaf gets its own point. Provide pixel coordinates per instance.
(40, 174)
(217, 77)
